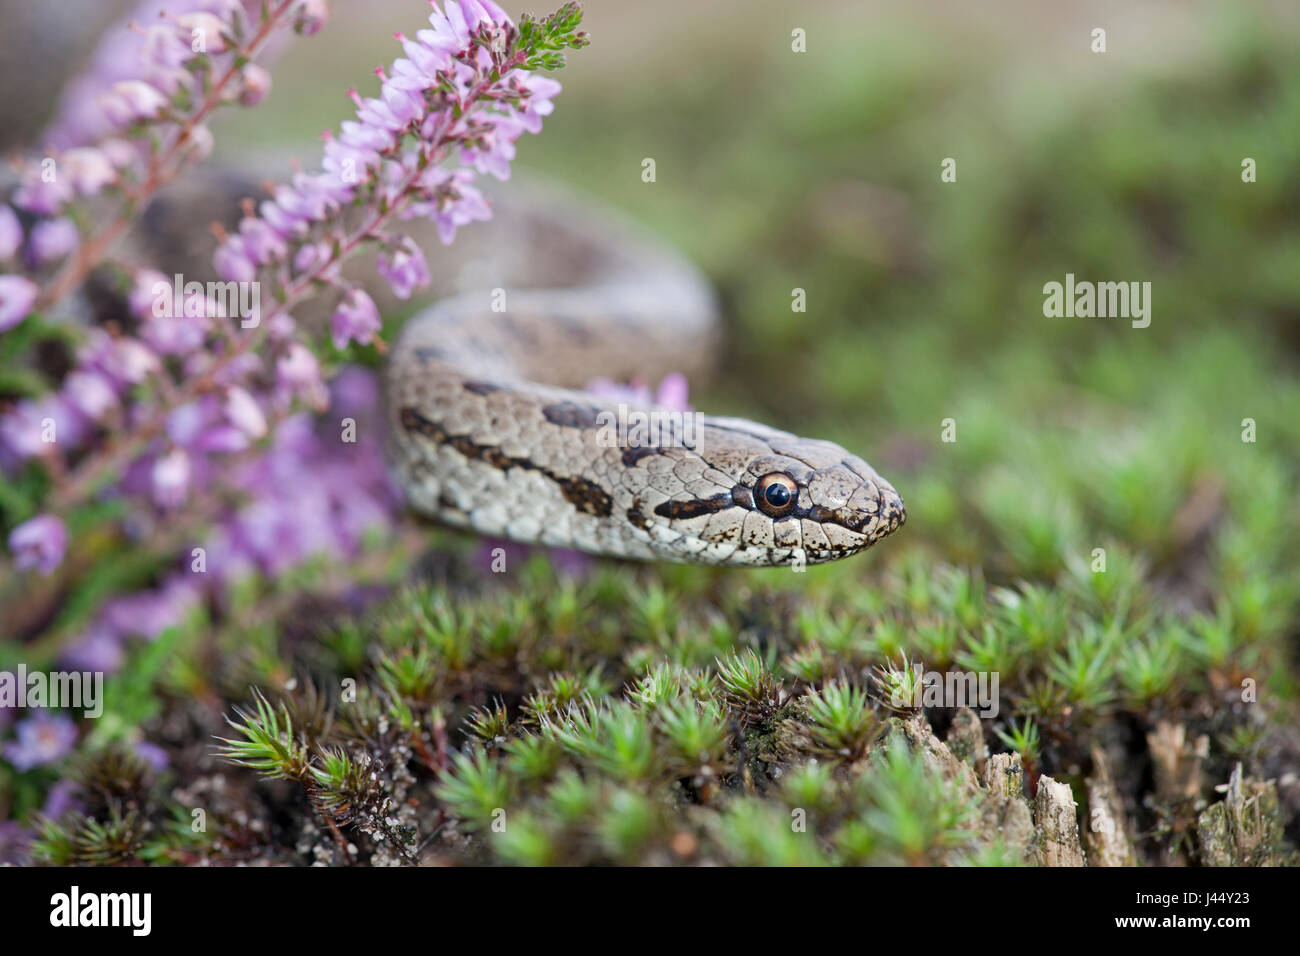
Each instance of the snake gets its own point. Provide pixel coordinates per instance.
(491, 428)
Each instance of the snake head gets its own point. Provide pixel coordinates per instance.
(791, 500)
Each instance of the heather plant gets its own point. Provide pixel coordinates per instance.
(188, 434)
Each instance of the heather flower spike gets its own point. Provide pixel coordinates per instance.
(451, 108)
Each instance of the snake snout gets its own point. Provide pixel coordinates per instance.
(893, 509)
(891, 513)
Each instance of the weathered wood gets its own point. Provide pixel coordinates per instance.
(1107, 836)
(1058, 824)
(966, 739)
(1245, 827)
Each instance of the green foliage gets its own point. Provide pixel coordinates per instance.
(543, 40)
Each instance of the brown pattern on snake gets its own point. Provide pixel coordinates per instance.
(578, 491)
(571, 415)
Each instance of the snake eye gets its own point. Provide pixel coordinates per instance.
(776, 494)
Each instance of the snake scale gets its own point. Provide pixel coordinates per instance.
(489, 428)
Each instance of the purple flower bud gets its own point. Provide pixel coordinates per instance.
(39, 543)
(406, 270)
(132, 100)
(130, 361)
(233, 261)
(51, 241)
(674, 393)
(201, 144)
(152, 754)
(499, 16)
(98, 650)
(205, 31)
(41, 198)
(311, 17)
(255, 83)
(262, 244)
(11, 233)
(163, 46)
(90, 393)
(17, 297)
(88, 170)
(282, 222)
(298, 374)
(355, 319)
(221, 440)
(23, 428)
(428, 60)
(170, 477)
(244, 412)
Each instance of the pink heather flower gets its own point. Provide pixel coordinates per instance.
(426, 59)
(310, 254)
(41, 198)
(39, 543)
(88, 170)
(672, 393)
(148, 613)
(131, 101)
(89, 393)
(42, 739)
(11, 233)
(22, 429)
(406, 270)
(483, 11)
(98, 650)
(221, 440)
(499, 138)
(162, 47)
(255, 83)
(171, 478)
(129, 360)
(205, 32)
(355, 319)
(201, 144)
(51, 241)
(152, 754)
(17, 297)
(261, 243)
(244, 413)
(298, 375)
(311, 17)
(462, 204)
(148, 289)
(541, 90)
(233, 262)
